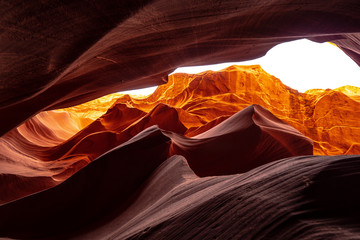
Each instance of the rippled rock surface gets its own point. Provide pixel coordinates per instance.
(120, 176)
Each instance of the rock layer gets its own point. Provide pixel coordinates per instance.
(246, 140)
(329, 117)
(111, 180)
(294, 198)
(59, 54)
(194, 111)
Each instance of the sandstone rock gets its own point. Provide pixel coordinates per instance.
(60, 54)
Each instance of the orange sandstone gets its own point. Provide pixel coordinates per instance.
(49, 148)
(329, 117)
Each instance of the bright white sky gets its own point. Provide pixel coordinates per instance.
(300, 64)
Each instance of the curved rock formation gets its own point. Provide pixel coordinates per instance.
(59, 54)
(246, 140)
(82, 198)
(318, 200)
(118, 177)
(329, 117)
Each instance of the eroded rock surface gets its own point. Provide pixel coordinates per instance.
(59, 54)
(329, 117)
(114, 178)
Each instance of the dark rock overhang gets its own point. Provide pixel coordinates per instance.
(61, 53)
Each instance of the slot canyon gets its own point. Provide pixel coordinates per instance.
(228, 154)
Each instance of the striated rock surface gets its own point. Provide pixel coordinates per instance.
(246, 140)
(59, 54)
(294, 198)
(329, 117)
(95, 175)
(181, 164)
(120, 196)
(116, 177)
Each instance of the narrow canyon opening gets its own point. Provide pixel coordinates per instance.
(300, 64)
(207, 95)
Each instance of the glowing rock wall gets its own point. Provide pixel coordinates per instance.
(211, 119)
(329, 117)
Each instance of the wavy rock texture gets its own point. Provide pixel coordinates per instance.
(59, 54)
(329, 117)
(94, 174)
(294, 198)
(244, 141)
(119, 177)
(319, 201)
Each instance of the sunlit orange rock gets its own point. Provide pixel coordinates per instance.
(329, 117)
(244, 141)
(197, 103)
(105, 164)
(54, 145)
(217, 121)
(248, 139)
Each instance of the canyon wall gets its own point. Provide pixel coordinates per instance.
(199, 159)
(59, 54)
(329, 117)
(197, 112)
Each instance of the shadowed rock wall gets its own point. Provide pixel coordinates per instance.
(58, 54)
